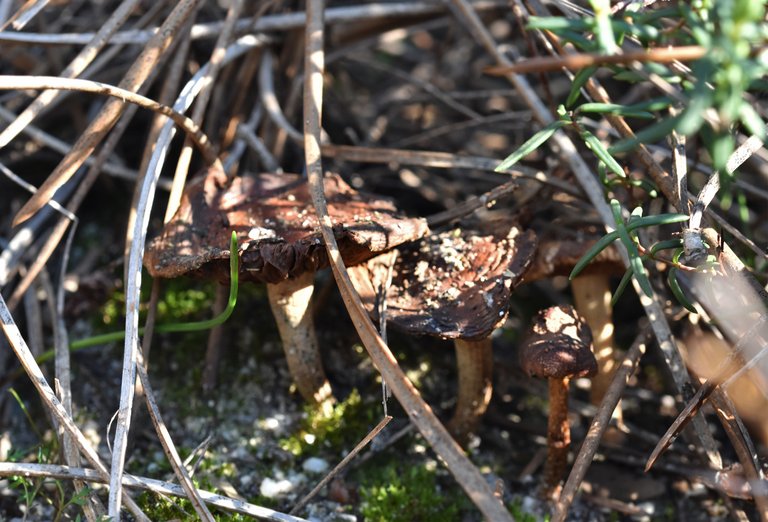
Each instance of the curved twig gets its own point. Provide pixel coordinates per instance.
(269, 98)
(75, 67)
(11, 82)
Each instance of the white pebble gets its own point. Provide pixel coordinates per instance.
(315, 465)
(5, 446)
(274, 488)
(270, 423)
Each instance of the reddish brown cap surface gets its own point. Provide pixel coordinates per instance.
(558, 345)
(276, 225)
(455, 284)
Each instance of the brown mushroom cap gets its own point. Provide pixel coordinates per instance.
(559, 345)
(276, 226)
(455, 284)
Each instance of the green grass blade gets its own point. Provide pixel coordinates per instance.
(654, 104)
(721, 148)
(645, 185)
(693, 115)
(559, 23)
(644, 32)
(606, 40)
(614, 108)
(635, 261)
(659, 219)
(625, 279)
(677, 291)
(666, 245)
(234, 267)
(752, 120)
(598, 247)
(581, 78)
(652, 133)
(532, 144)
(232, 301)
(601, 152)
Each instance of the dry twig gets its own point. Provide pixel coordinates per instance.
(102, 124)
(157, 486)
(52, 402)
(600, 423)
(421, 415)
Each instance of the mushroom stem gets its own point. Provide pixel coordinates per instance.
(475, 371)
(290, 301)
(592, 297)
(558, 437)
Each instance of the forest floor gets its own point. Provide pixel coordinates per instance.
(413, 116)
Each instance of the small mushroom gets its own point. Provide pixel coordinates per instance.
(558, 347)
(591, 291)
(279, 243)
(456, 285)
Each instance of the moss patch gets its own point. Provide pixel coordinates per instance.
(322, 428)
(399, 493)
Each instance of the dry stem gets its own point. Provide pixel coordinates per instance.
(136, 76)
(599, 424)
(421, 415)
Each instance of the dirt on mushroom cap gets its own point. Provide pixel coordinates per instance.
(559, 345)
(276, 226)
(455, 284)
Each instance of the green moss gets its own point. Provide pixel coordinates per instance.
(408, 494)
(183, 303)
(164, 508)
(339, 427)
(178, 302)
(535, 403)
(159, 507)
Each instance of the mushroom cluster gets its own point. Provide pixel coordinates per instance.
(455, 285)
(280, 245)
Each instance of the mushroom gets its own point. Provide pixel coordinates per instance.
(557, 347)
(279, 245)
(591, 291)
(456, 285)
